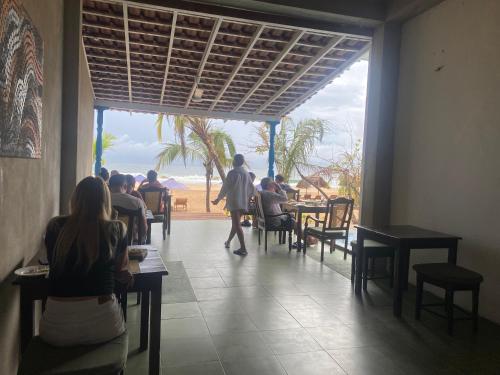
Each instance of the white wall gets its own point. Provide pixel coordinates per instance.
(447, 139)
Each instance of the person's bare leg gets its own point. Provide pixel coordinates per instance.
(231, 235)
(236, 224)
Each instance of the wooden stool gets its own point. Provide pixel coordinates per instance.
(451, 278)
(372, 250)
(108, 358)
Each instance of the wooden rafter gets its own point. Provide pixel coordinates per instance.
(169, 55)
(296, 36)
(127, 49)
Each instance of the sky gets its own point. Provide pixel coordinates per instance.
(341, 103)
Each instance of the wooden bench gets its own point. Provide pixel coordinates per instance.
(181, 202)
(41, 358)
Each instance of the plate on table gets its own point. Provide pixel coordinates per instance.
(32, 271)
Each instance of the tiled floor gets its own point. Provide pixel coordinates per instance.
(285, 313)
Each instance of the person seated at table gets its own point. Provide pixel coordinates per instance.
(151, 181)
(120, 198)
(104, 174)
(131, 187)
(87, 252)
(280, 180)
(272, 195)
(251, 205)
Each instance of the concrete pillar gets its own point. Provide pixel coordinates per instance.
(379, 125)
(69, 134)
(272, 136)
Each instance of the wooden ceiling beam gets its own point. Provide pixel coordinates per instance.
(206, 53)
(296, 36)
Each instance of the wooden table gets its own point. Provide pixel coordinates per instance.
(402, 238)
(148, 277)
(300, 209)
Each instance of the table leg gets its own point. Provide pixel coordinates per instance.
(26, 319)
(144, 321)
(401, 258)
(155, 328)
(359, 259)
(299, 230)
(452, 252)
(169, 218)
(148, 234)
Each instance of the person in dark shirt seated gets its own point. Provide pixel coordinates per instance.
(280, 180)
(151, 181)
(87, 251)
(104, 174)
(131, 187)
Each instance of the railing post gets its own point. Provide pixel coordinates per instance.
(272, 135)
(98, 141)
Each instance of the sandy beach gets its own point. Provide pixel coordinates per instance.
(195, 195)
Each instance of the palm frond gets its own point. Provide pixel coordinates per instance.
(159, 126)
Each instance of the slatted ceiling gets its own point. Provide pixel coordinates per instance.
(153, 56)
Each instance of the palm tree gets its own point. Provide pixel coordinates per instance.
(108, 141)
(294, 143)
(192, 148)
(202, 127)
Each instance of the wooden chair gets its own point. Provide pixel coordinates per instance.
(451, 278)
(133, 220)
(181, 202)
(264, 224)
(334, 226)
(157, 200)
(307, 197)
(372, 250)
(317, 198)
(293, 195)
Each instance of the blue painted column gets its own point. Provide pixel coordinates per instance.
(272, 135)
(98, 140)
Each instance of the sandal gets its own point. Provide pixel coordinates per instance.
(227, 244)
(240, 252)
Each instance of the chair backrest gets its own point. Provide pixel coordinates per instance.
(132, 219)
(338, 214)
(155, 199)
(307, 196)
(293, 195)
(259, 211)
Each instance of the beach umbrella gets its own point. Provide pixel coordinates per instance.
(318, 181)
(139, 178)
(172, 184)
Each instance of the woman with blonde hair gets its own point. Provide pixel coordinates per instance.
(87, 251)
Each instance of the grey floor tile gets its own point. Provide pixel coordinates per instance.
(212, 294)
(218, 307)
(312, 363)
(297, 302)
(207, 282)
(202, 272)
(254, 366)
(184, 328)
(288, 341)
(187, 351)
(218, 324)
(273, 319)
(342, 337)
(315, 318)
(367, 360)
(234, 346)
(180, 310)
(207, 368)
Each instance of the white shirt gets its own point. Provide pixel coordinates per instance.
(271, 204)
(237, 188)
